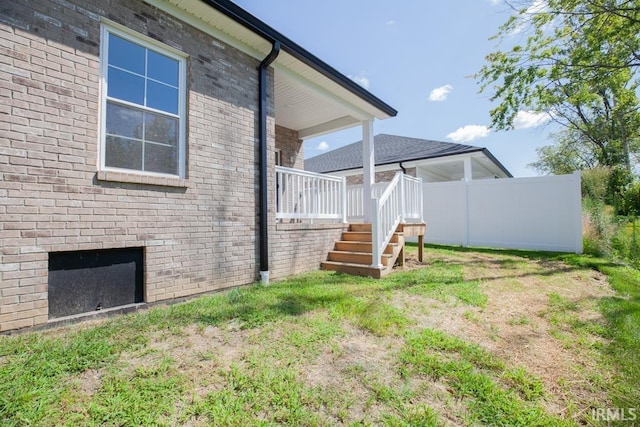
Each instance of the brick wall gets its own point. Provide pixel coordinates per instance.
(290, 146)
(199, 234)
(300, 247)
(385, 176)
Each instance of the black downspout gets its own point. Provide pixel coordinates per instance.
(264, 190)
(404, 171)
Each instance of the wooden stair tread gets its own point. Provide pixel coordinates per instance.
(352, 254)
(356, 253)
(351, 264)
(362, 258)
(355, 269)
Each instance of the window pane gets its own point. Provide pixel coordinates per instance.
(137, 138)
(161, 158)
(162, 68)
(123, 153)
(161, 129)
(124, 121)
(125, 86)
(162, 97)
(127, 55)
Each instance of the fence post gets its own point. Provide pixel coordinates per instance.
(465, 183)
(279, 193)
(344, 199)
(375, 233)
(403, 205)
(577, 201)
(421, 199)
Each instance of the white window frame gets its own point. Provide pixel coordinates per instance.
(108, 27)
(278, 157)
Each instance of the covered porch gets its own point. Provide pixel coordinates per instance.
(372, 240)
(306, 215)
(356, 229)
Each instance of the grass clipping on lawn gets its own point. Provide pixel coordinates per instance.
(465, 338)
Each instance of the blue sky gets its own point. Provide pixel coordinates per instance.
(416, 55)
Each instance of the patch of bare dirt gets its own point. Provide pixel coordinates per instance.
(351, 366)
(515, 324)
(359, 364)
(89, 381)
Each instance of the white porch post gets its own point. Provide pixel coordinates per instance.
(468, 172)
(368, 167)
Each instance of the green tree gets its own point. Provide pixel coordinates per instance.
(577, 60)
(571, 152)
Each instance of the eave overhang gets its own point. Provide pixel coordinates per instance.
(311, 97)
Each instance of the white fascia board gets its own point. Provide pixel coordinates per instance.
(440, 160)
(328, 127)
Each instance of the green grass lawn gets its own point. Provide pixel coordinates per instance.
(429, 346)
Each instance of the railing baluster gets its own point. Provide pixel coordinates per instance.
(307, 195)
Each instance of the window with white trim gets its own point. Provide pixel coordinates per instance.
(143, 104)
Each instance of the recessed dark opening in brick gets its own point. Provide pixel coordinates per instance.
(87, 281)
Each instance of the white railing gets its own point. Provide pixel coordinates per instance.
(308, 195)
(412, 194)
(411, 201)
(386, 213)
(355, 200)
(400, 201)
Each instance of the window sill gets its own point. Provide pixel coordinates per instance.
(132, 178)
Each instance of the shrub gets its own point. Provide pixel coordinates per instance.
(598, 228)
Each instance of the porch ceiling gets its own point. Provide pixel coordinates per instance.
(310, 96)
(452, 168)
(310, 108)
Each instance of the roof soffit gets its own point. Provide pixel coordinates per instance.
(328, 99)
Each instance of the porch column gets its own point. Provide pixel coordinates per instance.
(368, 167)
(468, 173)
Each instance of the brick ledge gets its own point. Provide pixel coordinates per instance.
(294, 226)
(132, 178)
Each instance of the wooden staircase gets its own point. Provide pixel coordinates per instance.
(352, 253)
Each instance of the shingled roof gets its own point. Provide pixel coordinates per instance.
(390, 149)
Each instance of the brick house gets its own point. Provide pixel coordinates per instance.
(138, 142)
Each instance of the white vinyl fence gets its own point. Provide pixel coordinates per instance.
(541, 213)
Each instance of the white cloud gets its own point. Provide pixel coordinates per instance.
(495, 2)
(530, 119)
(323, 146)
(361, 80)
(391, 22)
(440, 93)
(469, 133)
(537, 6)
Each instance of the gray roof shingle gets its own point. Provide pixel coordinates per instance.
(388, 149)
